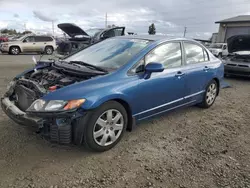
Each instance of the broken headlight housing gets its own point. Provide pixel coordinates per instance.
(54, 105)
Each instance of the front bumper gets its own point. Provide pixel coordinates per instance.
(237, 70)
(4, 49)
(19, 116)
(54, 127)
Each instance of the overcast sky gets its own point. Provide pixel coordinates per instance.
(170, 16)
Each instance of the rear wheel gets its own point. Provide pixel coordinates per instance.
(49, 50)
(105, 127)
(14, 50)
(210, 94)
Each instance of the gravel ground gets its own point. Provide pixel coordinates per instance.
(188, 148)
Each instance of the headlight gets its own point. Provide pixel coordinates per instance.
(55, 105)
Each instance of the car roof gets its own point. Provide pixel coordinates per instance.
(154, 37)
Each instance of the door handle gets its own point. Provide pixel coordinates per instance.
(179, 74)
(34, 43)
(206, 68)
(45, 43)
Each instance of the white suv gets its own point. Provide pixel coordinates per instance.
(31, 43)
(218, 49)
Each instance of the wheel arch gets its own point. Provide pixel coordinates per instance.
(129, 112)
(218, 84)
(49, 46)
(121, 100)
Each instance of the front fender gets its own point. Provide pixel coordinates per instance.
(95, 102)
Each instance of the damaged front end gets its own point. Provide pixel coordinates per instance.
(54, 119)
(238, 62)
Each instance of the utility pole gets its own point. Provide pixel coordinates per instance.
(106, 20)
(24, 25)
(185, 31)
(53, 28)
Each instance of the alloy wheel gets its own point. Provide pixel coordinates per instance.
(211, 94)
(49, 51)
(15, 51)
(108, 127)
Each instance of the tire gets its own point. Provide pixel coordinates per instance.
(108, 133)
(210, 95)
(14, 50)
(49, 50)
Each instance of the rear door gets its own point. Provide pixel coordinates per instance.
(41, 42)
(197, 69)
(28, 44)
(118, 31)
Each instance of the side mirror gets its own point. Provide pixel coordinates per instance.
(24, 41)
(153, 67)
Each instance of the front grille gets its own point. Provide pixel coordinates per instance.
(243, 66)
(61, 134)
(231, 64)
(238, 73)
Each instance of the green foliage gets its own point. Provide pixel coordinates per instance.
(151, 29)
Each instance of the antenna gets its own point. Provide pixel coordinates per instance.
(185, 31)
(53, 28)
(106, 20)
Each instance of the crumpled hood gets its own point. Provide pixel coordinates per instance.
(238, 43)
(71, 29)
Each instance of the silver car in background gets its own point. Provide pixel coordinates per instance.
(238, 61)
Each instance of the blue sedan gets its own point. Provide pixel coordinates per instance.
(93, 96)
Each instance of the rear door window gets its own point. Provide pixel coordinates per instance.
(194, 53)
(43, 39)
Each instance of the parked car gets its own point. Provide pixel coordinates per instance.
(3, 39)
(80, 39)
(93, 96)
(238, 62)
(219, 49)
(31, 43)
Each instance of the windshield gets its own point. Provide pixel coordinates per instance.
(92, 32)
(219, 46)
(111, 53)
(20, 37)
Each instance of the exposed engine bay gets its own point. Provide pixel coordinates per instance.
(240, 57)
(35, 84)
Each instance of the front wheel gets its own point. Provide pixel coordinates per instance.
(105, 127)
(210, 94)
(49, 50)
(14, 50)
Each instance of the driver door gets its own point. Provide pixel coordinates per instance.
(118, 31)
(29, 44)
(165, 90)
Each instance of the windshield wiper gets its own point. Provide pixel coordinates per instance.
(89, 65)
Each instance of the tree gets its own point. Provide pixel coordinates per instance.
(151, 29)
(112, 26)
(26, 32)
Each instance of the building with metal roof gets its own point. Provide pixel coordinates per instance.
(239, 25)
